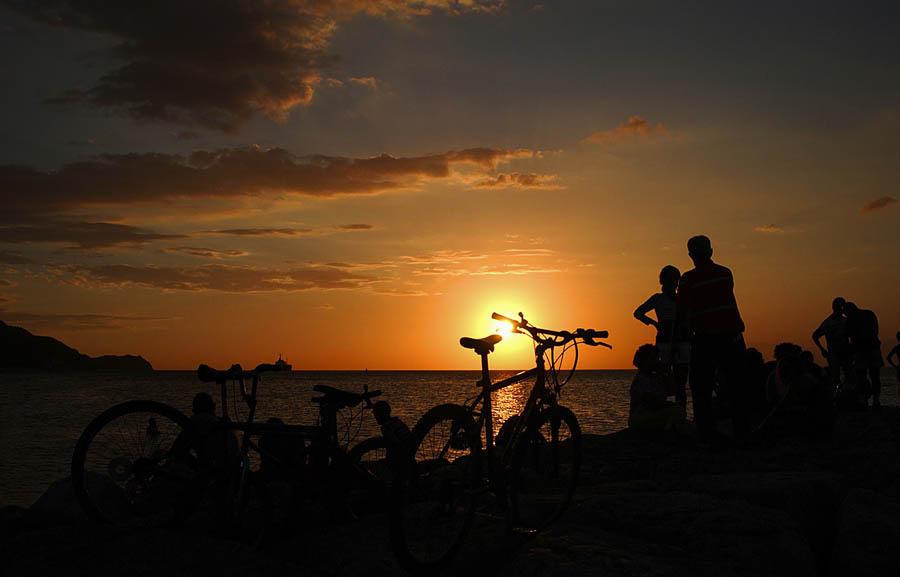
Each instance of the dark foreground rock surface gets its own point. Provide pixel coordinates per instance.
(793, 507)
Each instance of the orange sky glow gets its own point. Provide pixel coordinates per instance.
(367, 211)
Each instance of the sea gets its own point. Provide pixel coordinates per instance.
(43, 414)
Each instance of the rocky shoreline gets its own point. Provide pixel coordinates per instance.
(644, 508)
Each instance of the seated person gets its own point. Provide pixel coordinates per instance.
(282, 454)
(799, 393)
(217, 447)
(650, 411)
(397, 436)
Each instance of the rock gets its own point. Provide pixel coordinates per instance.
(867, 536)
(59, 501)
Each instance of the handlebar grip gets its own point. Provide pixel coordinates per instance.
(372, 394)
(601, 334)
(499, 317)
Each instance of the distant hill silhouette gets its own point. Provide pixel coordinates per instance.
(19, 349)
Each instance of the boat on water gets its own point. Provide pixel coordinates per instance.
(283, 365)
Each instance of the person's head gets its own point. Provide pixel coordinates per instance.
(807, 358)
(669, 277)
(203, 404)
(382, 412)
(700, 249)
(850, 308)
(646, 357)
(785, 350)
(837, 305)
(754, 357)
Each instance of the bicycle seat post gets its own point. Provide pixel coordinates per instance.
(487, 409)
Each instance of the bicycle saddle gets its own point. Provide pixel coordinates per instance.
(481, 346)
(336, 397)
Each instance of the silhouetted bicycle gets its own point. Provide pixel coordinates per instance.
(532, 465)
(143, 464)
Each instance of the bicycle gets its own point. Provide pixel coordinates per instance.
(532, 463)
(144, 464)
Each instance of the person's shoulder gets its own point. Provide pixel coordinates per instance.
(721, 268)
(688, 276)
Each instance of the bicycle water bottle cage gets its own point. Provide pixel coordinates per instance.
(335, 398)
(481, 346)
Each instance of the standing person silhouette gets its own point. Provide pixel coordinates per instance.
(837, 347)
(893, 358)
(706, 296)
(671, 334)
(862, 330)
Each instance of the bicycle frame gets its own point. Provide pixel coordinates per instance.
(325, 433)
(537, 398)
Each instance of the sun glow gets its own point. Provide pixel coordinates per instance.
(503, 328)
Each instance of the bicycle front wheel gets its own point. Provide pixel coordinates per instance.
(133, 465)
(545, 469)
(432, 504)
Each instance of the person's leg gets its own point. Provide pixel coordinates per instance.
(681, 376)
(875, 379)
(834, 371)
(702, 375)
(732, 361)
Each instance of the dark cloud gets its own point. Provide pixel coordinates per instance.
(216, 63)
(878, 204)
(84, 235)
(12, 257)
(261, 232)
(214, 277)
(633, 128)
(117, 179)
(77, 321)
(519, 180)
(354, 226)
(206, 252)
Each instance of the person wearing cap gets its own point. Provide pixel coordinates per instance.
(706, 296)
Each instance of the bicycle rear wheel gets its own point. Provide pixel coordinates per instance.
(545, 469)
(371, 456)
(432, 504)
(133, 465)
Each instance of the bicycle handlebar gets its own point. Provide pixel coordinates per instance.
(586, 335)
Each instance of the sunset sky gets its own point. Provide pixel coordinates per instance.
(358, 183)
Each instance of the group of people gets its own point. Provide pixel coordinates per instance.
(699, 339)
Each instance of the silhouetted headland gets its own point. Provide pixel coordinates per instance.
(19, 349)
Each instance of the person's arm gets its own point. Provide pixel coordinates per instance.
(640, 313)
(894, 354)
(817, 338)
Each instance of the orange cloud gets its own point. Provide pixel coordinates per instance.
(206, 252)
(214, 277)
(878, 204)
(367, 81)
(519, 180)
(634, 128)
(769, 229)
